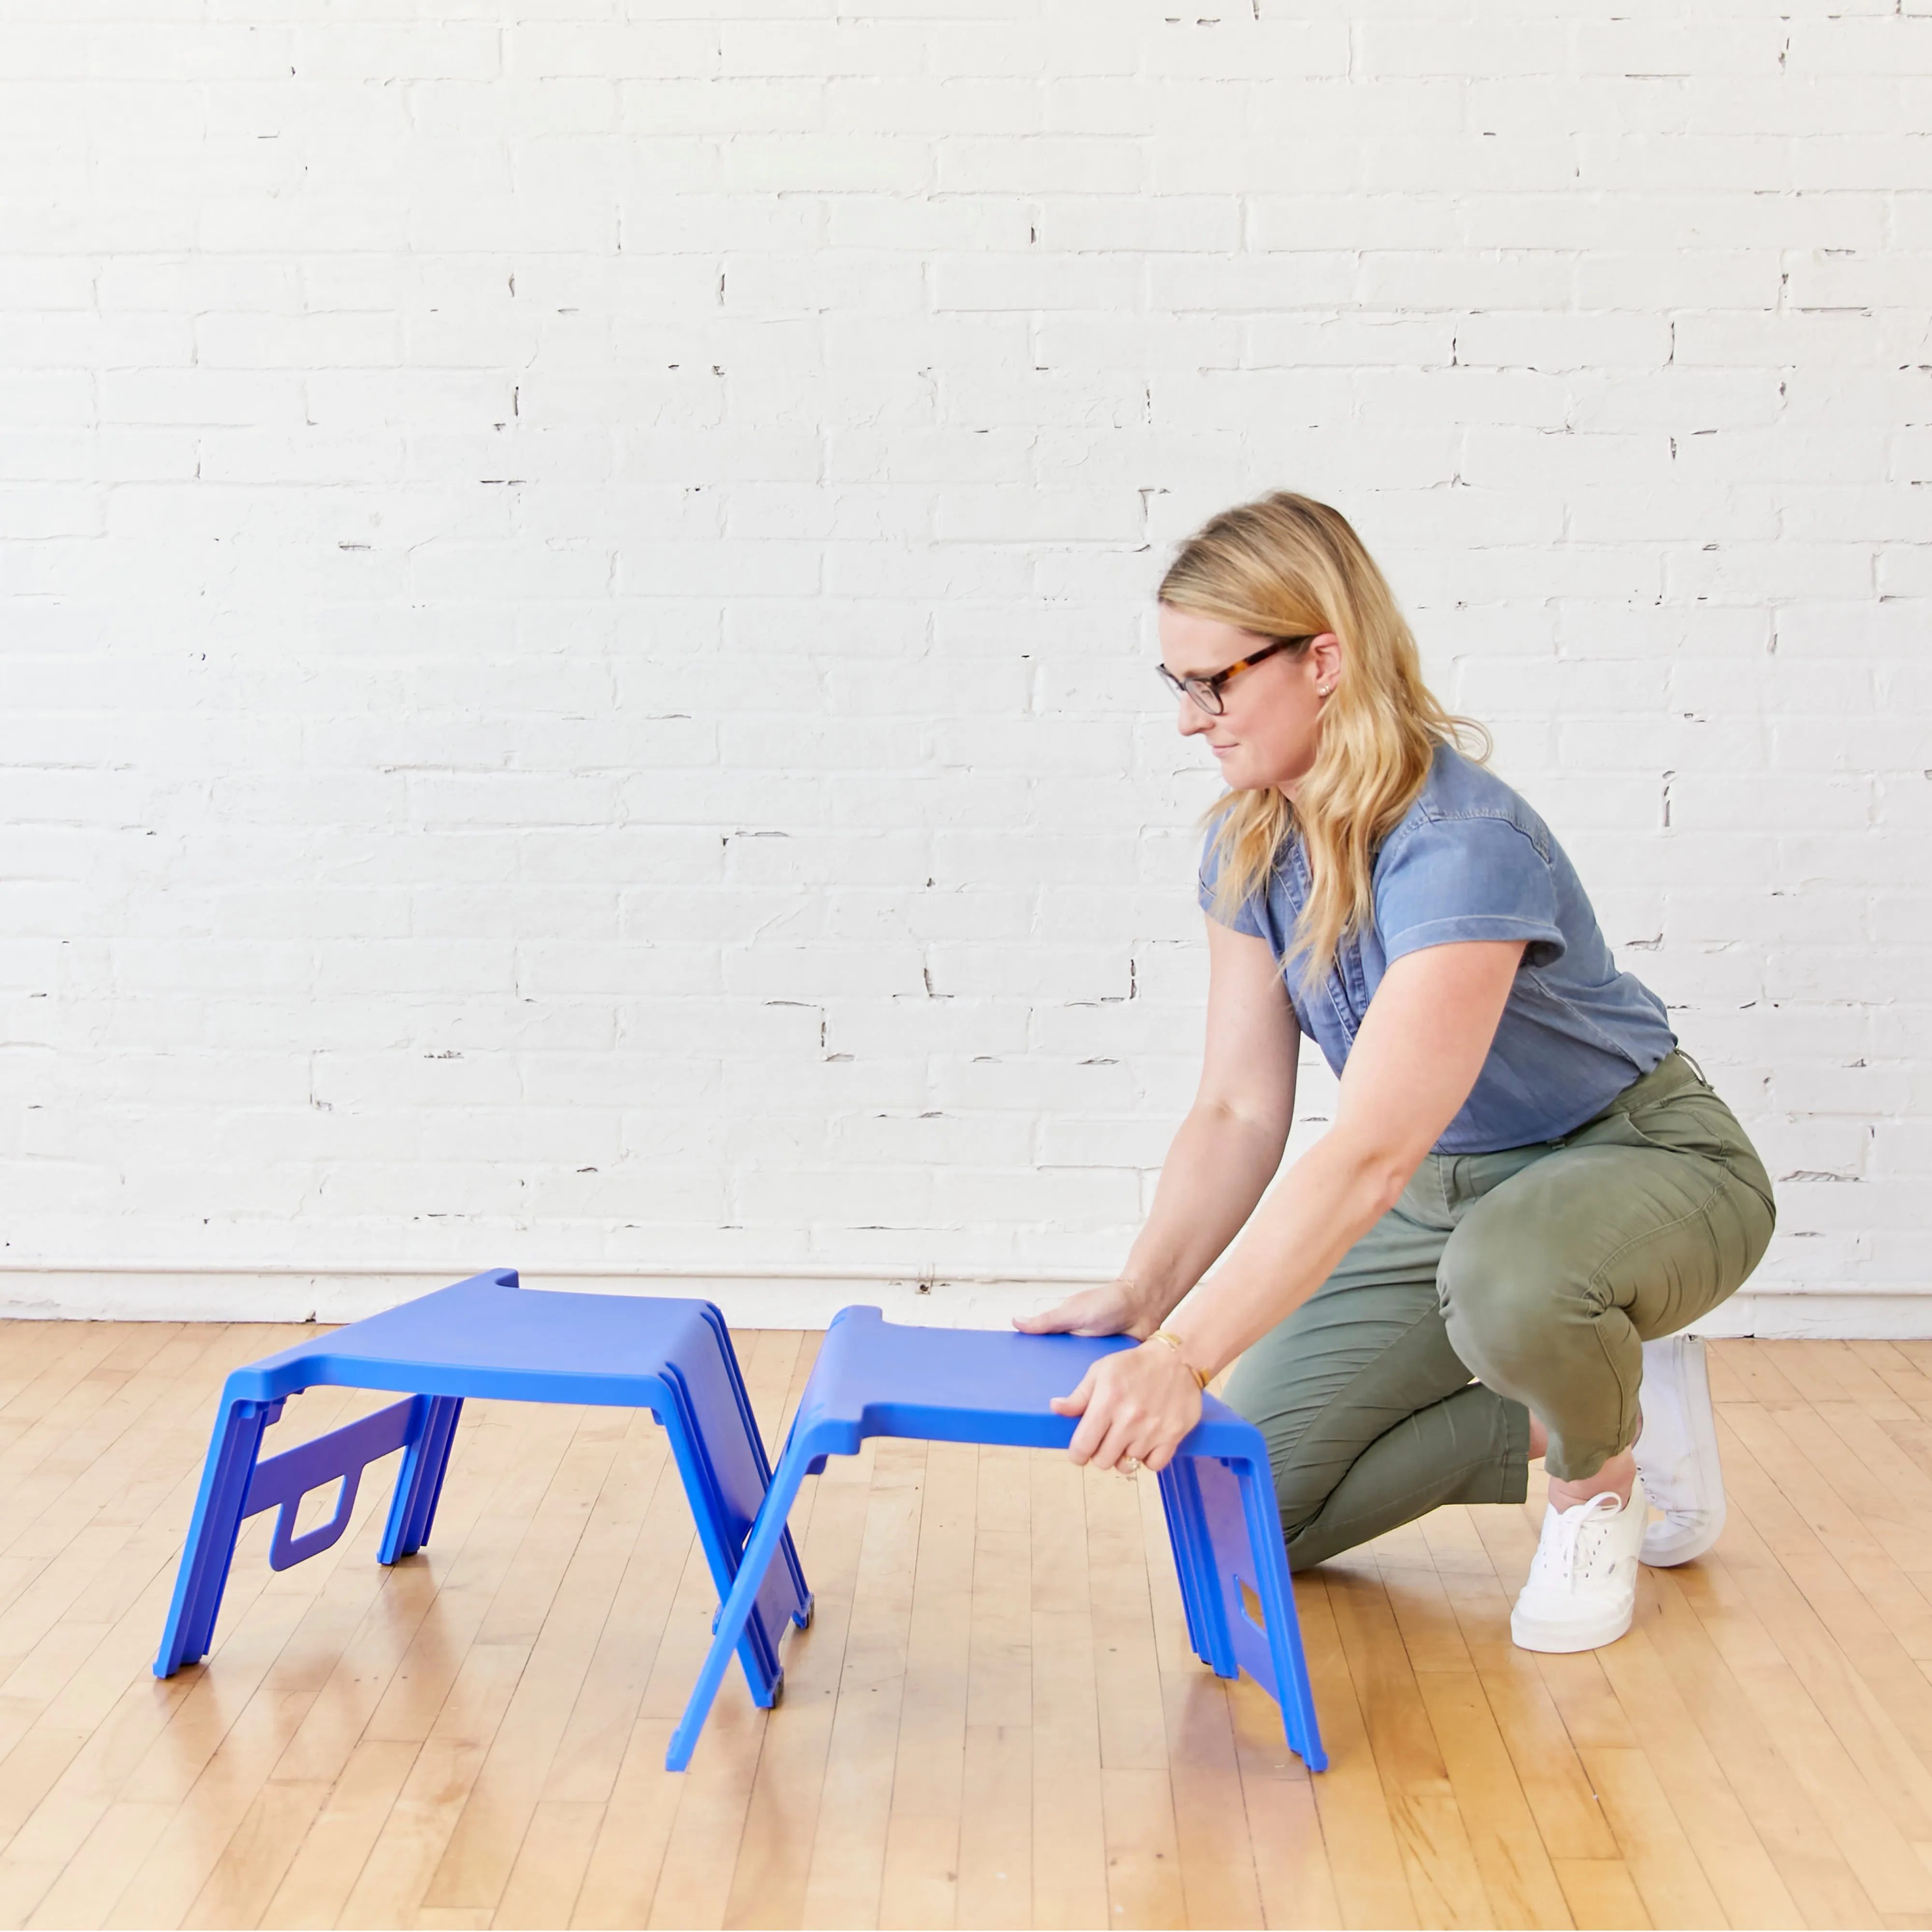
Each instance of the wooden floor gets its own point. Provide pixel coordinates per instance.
(995, 1720)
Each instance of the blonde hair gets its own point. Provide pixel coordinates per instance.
(1286, 566)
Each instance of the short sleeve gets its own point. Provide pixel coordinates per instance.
(1457, 879)
(1243, 918)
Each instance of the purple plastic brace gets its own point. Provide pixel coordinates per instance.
(342, 1454)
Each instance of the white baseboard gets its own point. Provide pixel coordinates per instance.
(1781, 1315)
(807, 1299)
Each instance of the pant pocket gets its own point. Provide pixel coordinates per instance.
(1697, 1123)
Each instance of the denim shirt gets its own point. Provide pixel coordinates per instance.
(1471, 861)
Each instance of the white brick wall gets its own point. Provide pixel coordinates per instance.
(576, 659)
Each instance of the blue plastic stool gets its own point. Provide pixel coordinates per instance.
(873, 1378)
(486, 1337)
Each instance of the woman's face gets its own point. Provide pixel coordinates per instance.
(1267, 735)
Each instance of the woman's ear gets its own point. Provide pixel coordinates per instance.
(1325, 655)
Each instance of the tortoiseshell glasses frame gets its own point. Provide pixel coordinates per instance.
(1206, 691)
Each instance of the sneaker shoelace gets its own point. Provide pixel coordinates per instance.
(1556, 1556)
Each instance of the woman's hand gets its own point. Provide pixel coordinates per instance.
(1135, 1405)
(1122, 1307)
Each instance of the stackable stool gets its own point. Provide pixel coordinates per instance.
(486, 1337)
(874, 1378)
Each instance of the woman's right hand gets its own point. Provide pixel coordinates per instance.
(1121, 1307)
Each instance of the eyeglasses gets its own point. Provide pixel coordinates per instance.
(1206, 691)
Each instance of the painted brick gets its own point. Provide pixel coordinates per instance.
(576, 675)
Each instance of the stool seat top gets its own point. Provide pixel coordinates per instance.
(874, 1377)
(488, 1336)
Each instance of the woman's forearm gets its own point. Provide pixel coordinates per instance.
(1217, 1169)
(1326, 1202)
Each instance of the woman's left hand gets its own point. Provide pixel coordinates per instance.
(1135, 1404)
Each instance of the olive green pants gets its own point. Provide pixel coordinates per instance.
(1539, 1271)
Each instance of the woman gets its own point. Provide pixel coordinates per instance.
(1525, 1185)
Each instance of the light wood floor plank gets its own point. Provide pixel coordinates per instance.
(621, 1879)
(694, 1885)
(1743, 1874)
(101, 1867)
(591, 1540)
(1220, 1884)
(1602, 1897)
(585, 1768)
(1850, 1577)
(1675, 1891)
(1521, 1884)
(854, 1814)
(551, 1863)
(1291, 1856)
(1144, 1884)
(1844, 1365)
(1443, 1875)
(995, 1881)
(29, 1347)
(1799, 1840)
(411, 1841)
(1749, 1371)
(315, 1887)
(919, 1882)
(774, 1854)
(1831, 1777)
(1568, 1817)
(453, 1688)
(1867, 1690)
(1802, 1367)
(1070, 1825)
(1356, 1809)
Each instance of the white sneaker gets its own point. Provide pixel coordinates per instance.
(1677, 1453)
(1582, 1591)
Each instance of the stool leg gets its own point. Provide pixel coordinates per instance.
(1276, 1589)
(1193, 1561)
(768, 1532)
(210, 1547)
(801, 1613)
(722, 1531)
(419, 1481)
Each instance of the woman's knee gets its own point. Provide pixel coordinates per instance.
(1303, 1485)
(1532, 1331)
(1303, 1476)
(1509, 1311)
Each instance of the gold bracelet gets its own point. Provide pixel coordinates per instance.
(1174, 1342)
